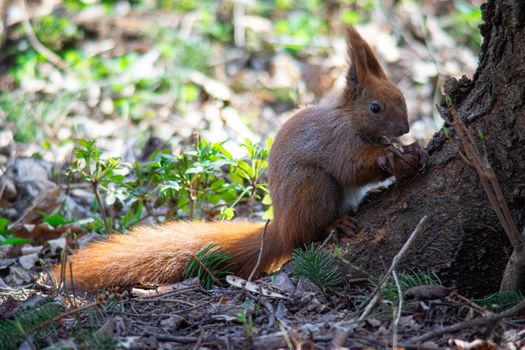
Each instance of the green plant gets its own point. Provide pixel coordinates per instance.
(99, 172)
(246, 320)
(318, 265)
(465, 22)
(56, 219)
(6, 235)
(210, 264)
(56, 32)
(88, 334)
(299, 29)
(247, 174)
(192, 181)
(199, 177)
(203, 182)
(32, 324)
(32, 120)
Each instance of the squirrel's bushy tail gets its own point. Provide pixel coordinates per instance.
(158, 254)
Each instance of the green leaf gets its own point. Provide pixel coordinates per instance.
(217, 184)
(15, 240)
(246, 168)
(351, 17)
(227, 213)
(267, 200)
(481, 135)
(170, 185)
(446, 131)
(4, 223)
(56, 219)
(268, 214)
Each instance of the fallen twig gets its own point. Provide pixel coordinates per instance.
(38, 46)
(199, 340)
(372, 299)
(172, 338)
(261, 248)
(375, 296)
(253, 287)
(72, 283)
(477, 322)
(74, 311)
(398, 312)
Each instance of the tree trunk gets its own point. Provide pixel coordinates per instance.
(463, 242)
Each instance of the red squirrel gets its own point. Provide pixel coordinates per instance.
(322, 159)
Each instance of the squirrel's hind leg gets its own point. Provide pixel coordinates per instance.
(345, 227)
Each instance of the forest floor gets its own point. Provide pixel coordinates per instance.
(139, 78)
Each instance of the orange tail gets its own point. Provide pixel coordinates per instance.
(159, 254)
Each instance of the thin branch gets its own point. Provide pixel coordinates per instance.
(395, 324)
(38, 46)
(102, 207)
(72, 283)
(172, 338)
(63, 276)
(261, 248)
(400, 297)
(477, 322)
(239, 30)
(199, 340)
(488, 179)
(372, 300)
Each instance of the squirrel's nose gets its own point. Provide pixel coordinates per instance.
(404, 129)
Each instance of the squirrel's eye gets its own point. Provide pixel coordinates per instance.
(375, 107)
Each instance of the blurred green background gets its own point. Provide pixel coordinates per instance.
(208, 83)
(126, 70)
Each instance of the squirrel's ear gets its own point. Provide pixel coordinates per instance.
(363, 58)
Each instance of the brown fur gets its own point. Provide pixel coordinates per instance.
(319, 152)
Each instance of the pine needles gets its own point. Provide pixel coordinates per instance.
(39, 319)
(211, 264)
(95, 340)
(500, 301)
(318, 265)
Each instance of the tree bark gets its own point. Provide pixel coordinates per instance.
(463, 242)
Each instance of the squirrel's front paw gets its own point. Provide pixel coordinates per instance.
(387, 161)
(403, 161)
(415, 148)
(412, 160)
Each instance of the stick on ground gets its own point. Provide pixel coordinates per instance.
(477, 322)
(372, 300)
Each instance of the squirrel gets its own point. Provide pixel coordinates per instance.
(322, 160)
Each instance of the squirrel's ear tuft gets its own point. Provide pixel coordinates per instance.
(363, 58)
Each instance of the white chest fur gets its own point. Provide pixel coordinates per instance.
(354, 195)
